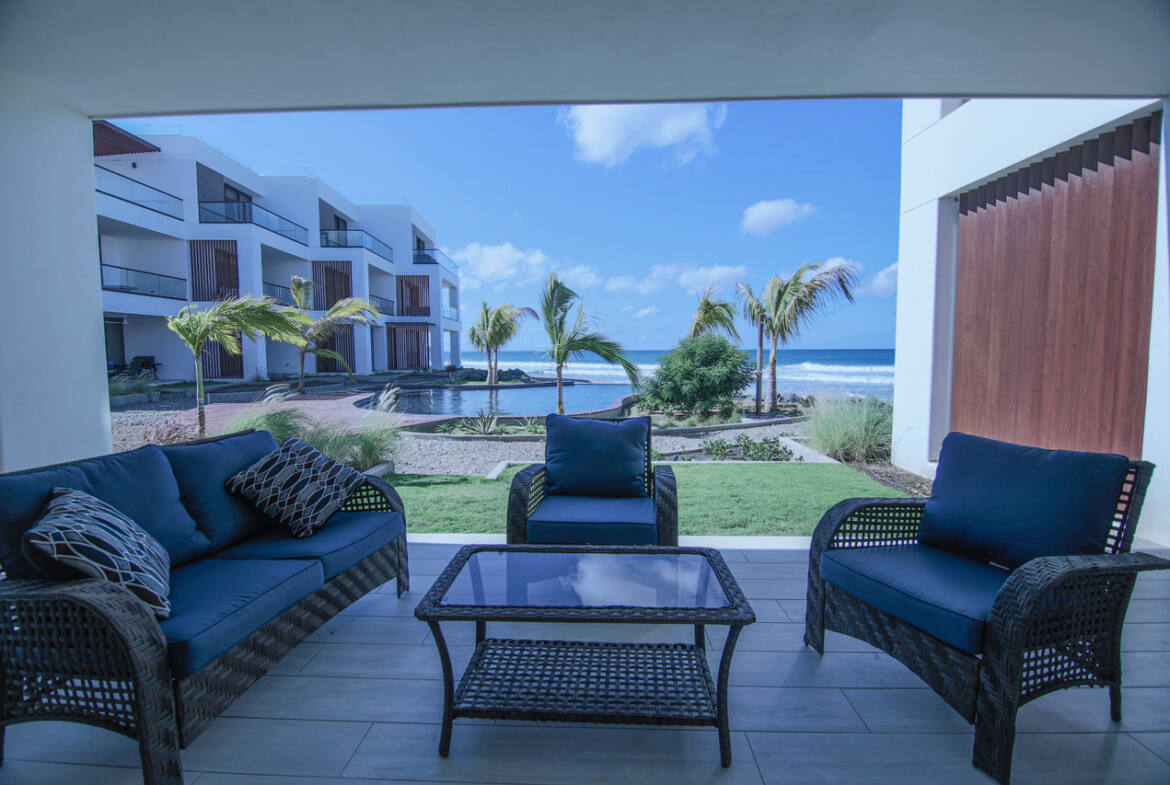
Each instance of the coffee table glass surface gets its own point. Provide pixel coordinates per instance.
(587, 681)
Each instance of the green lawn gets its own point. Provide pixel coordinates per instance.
(779, 498)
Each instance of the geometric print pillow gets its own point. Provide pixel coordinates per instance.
(297, 485)
(91, 537)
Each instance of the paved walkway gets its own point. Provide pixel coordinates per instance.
(361, 701)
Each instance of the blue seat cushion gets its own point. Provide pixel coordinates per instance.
(942, 594)
(594, 520)
(1005, 503)
(586, 457)
(346, 539)
(202, 469)
(139, 484)
(217, 603)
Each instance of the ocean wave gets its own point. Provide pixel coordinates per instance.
(806, 372)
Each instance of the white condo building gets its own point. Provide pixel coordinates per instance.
(180, 222)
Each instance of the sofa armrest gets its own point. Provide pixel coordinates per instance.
(864, 523)
(666, 504)
(86, 649)
(526, 493)
(375, 494)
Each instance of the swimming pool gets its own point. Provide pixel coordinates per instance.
(515, 401)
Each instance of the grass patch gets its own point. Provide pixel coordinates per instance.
(776, 499)
(852, 430)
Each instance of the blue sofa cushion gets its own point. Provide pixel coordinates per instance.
(202, 469)
(217, 603)
(139, 484)
(347, 538)
(594, 520)
(595, 457)
(942, 594)
(1005, 503)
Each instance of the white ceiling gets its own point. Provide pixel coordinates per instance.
(113, 58)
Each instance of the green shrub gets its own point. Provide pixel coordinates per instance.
(481, 424)
(852, 430)
(362, 449)
(282, 422)
(719, 449)
(124, 383)
(446, 426)
(701, 374)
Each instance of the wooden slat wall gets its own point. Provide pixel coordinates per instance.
(408, 347)
(1054, 294)
(414, 295)
(331, 282)
(214, 269)
(341, 342)
(220, 364)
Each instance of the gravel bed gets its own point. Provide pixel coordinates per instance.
(134, 425)
(448, 456)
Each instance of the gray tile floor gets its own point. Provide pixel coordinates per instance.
(360, 702)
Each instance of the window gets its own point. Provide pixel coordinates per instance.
(233, 194)
(340, 223)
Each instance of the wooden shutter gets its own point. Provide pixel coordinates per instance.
(214, 269)
(341, 341)
(331, 282)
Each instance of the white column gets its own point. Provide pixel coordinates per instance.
(249, 260)
(360, 276)
(1155, 521)
(436, 327)
(456, 350)
(54, 403)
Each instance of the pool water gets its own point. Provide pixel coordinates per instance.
(519, 401)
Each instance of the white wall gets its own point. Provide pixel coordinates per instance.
(59, 409)
(150, 335)
(942, 155)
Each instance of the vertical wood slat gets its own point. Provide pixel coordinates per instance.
(1054, 296)
(332, 281)
(341, 341)
(414, 295)
(215, 270)
(408, 347)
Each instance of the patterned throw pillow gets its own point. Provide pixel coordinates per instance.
(297, 485)
(91, 537)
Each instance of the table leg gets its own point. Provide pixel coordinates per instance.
(700, 636)
(724, 675)
(448, 689)
(480, 631)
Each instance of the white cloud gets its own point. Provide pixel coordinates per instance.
(609, 134)
(505, 265)
(884, 284)
(649, 310)
(763, 218)
(691, 278)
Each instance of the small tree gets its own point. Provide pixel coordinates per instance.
(224, 323)
(700, 375)
(314, 332)
(713, 315)
(571, 338)
(493, 328)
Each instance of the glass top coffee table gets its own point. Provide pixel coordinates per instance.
(578, 681)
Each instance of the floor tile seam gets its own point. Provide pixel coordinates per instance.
(1136, 736)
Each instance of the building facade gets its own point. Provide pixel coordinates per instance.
(179, 222)
(1034, 282)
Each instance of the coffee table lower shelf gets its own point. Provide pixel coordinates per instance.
(577, 681)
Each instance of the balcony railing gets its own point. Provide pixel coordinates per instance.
(384, 306)
(435, 256)
(450, 313)
(249, 213)
(127, 189)
(356, 238)
(414, 310)
(282, 294)
(125, 279)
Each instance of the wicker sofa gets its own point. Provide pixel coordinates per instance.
(243, 593)
(988, 637)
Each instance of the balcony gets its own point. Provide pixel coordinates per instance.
(129, 281)
(282, 294)
(127, 189)
(385, 306)
(250, 213)
(450, 313)
(435, 256)
(356, 238)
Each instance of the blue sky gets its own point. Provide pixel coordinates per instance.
(638, 207)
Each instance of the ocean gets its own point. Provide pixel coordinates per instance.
(848, 372)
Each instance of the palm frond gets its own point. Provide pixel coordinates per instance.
(713, 315)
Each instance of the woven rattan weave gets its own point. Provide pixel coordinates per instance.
(89, 651)
(575, 681)
(1056, 621)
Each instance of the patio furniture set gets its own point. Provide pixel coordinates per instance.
(147, 590)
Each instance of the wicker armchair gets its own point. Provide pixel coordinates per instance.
(1056, 621)
(89, 651)
(528, 491)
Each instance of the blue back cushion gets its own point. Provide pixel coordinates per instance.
(1005, 503)
(595, 457)
(201, 470)
(139, 484)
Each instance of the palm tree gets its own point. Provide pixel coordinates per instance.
(224, 323)
(493, 328)
(713, 316)
(790, 302)
(314, 332)
(753, 311)
(572, 338)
